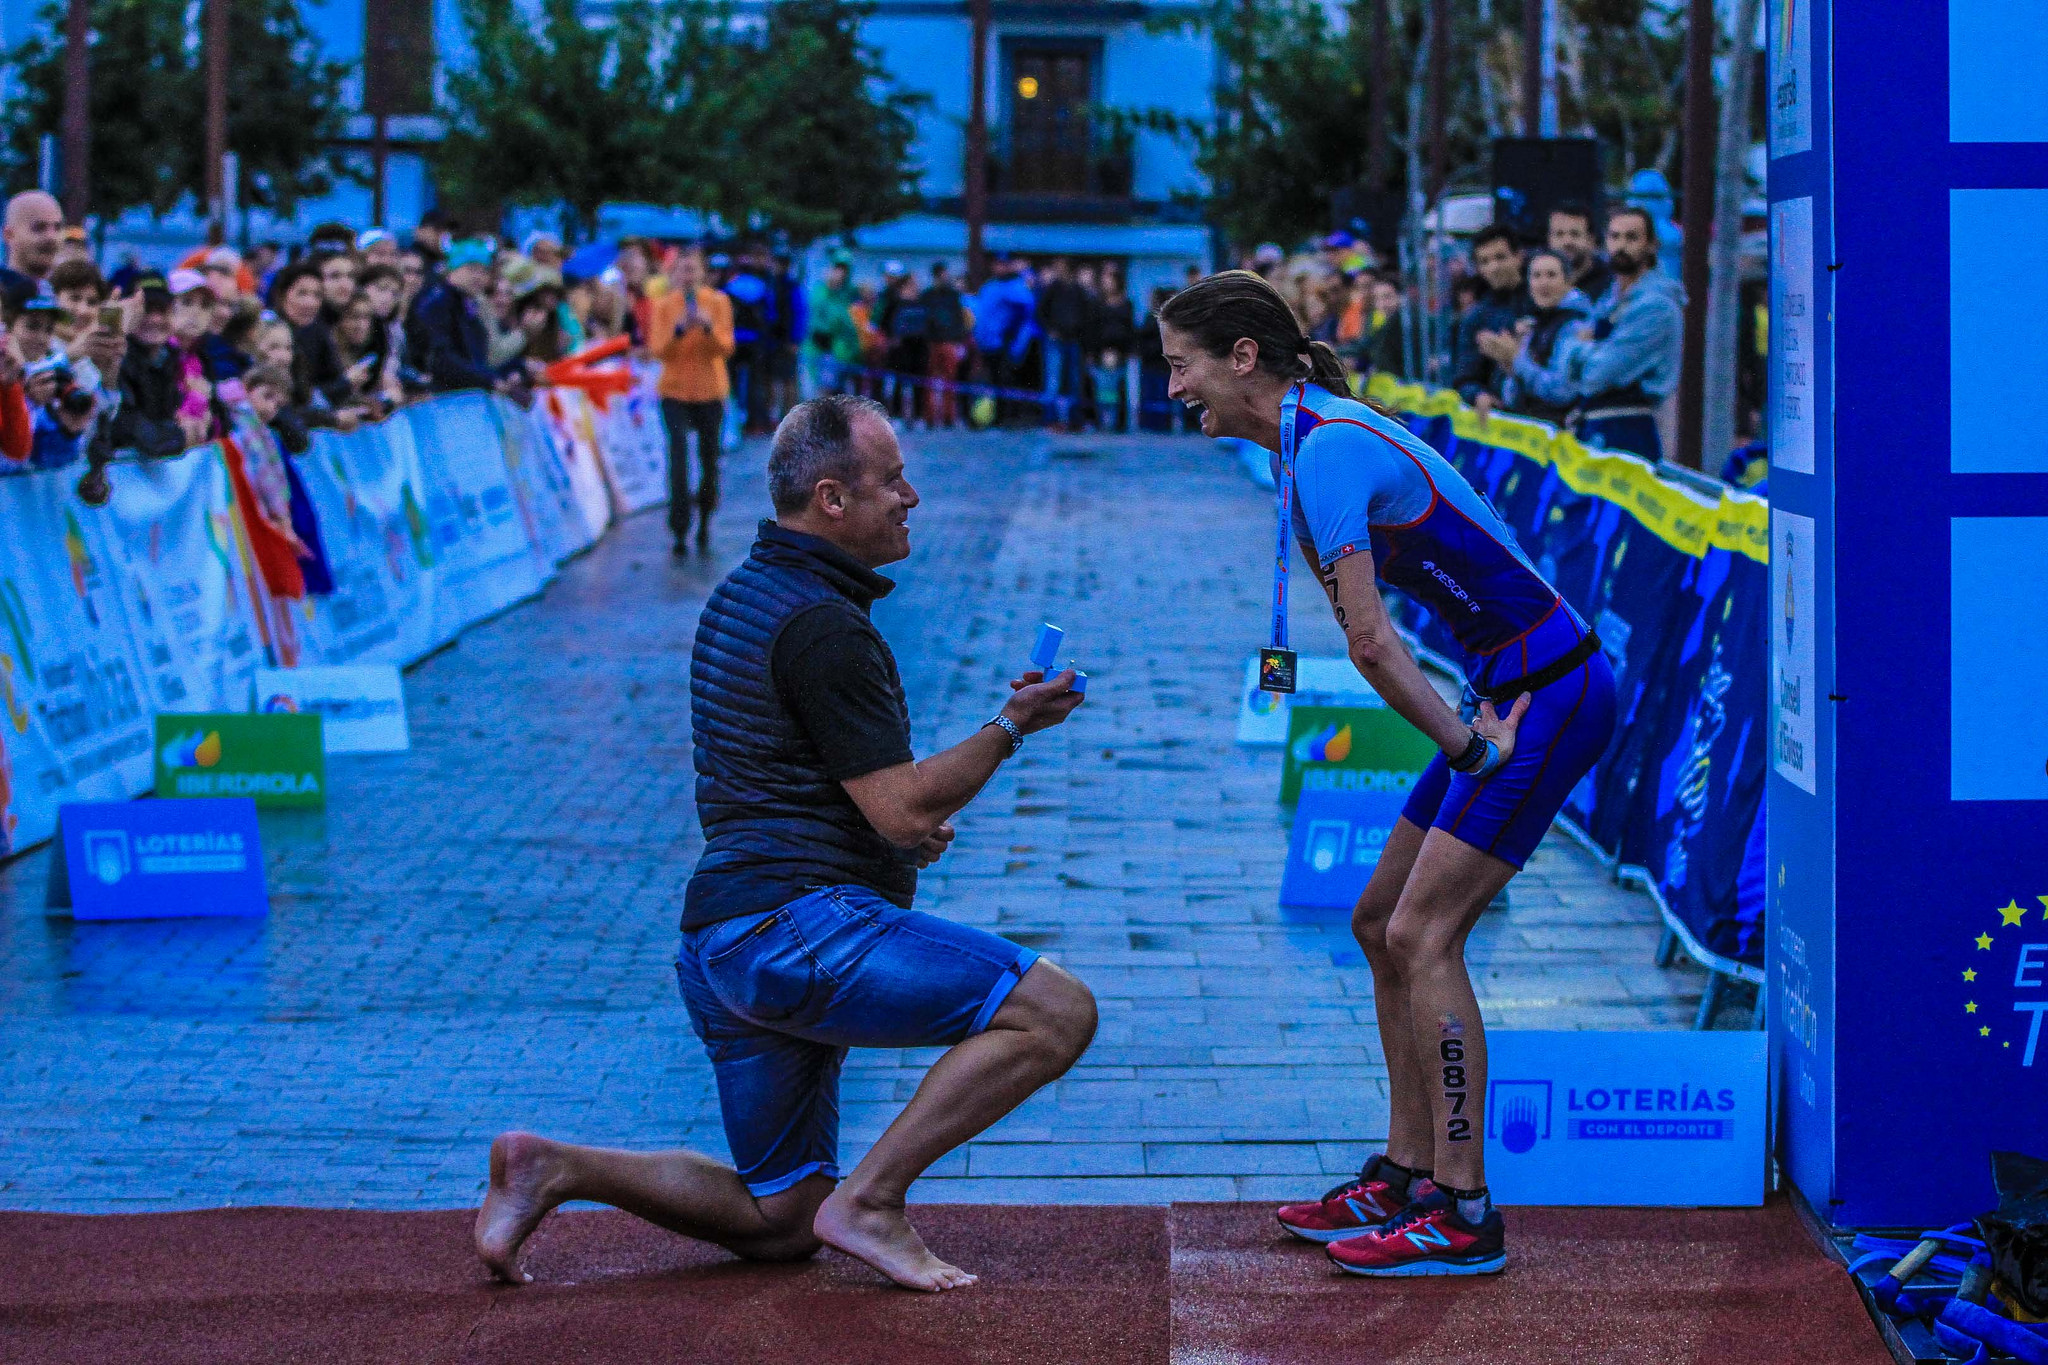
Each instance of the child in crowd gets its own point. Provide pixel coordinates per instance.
(33, 326)
(92, 331)
(271, 342)
(268, 391)
(192, 301)
(63, 421)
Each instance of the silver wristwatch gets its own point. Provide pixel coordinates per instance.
(1009, 727)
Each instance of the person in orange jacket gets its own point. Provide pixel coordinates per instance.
(689, 330)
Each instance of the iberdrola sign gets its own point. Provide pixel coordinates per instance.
(276, 759)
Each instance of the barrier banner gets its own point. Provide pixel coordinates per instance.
(74, 706)
(169, 539)
(568, 424)
(483, 560)
(633, 445)
(1708, 755)
(200, 570)
(540, 483)
(364, 490)
(1674, 581)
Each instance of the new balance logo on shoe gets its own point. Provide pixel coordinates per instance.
(1426, 1235)
(1367, 1209)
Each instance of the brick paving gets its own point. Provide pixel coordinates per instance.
(479, 933)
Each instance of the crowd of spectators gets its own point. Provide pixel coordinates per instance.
(1053, 340)
(353, 323)
(336, 333)
(1567, 335)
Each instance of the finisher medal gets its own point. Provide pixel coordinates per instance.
(1276, 661)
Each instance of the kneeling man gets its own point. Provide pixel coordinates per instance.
(799, 940)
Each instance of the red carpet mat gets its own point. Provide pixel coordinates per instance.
(1582, 1287)
(1062, 1286)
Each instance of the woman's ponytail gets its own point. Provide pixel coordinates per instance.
(1327, 370)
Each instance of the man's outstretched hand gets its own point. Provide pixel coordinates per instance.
(1039, 703)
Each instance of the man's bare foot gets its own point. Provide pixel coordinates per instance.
(518, 1199)
(883, 1238)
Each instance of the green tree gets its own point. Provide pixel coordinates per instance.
(776, 126)
(574, 113)
(149, 94)
(827, 144)
(1623, 79)
(1293, 117)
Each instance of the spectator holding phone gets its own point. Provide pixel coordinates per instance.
(690, 331)
(63, 422)
(152, 388)
(92, 329)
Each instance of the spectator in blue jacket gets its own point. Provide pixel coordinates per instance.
(1624, 363)
(446, 339)
(1005, 323)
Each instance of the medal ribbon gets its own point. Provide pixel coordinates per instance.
(1282, 549)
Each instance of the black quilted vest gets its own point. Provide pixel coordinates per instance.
(775, 827)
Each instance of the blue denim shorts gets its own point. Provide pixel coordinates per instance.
(778, 998)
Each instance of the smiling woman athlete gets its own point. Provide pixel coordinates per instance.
(1376, 505)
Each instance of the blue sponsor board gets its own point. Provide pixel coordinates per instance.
(1906, 869)
(1337, 840)
(158, 859)
(1669, 1119)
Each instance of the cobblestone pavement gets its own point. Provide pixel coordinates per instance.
(478, 934)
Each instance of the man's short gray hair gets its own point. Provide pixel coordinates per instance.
(815, 441)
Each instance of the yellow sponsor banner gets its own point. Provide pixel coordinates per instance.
(1686, 520)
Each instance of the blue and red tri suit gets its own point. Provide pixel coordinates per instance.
(1366, 483)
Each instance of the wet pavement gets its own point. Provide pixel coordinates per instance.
(478, 934)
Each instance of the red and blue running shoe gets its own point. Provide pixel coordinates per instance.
(1429, 1237)
(1350, 1210)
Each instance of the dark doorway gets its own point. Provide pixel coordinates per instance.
(1051, 95)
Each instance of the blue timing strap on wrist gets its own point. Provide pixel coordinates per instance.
(1491, 762)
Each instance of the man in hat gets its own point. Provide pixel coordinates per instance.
(446, 339)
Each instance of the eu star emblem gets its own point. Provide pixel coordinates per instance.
(2016, 976)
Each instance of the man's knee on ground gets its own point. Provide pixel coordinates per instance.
(785, 1233)
(794, 1244)
(1055, 1009)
